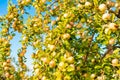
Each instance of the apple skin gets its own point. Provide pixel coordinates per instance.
(70, 59)
(66, 36)
(68, 26)
(115, 62)
(88, 4)
(92, 76)
(51, 47)
(106, 16)
(52, 64)
(111, 41)
(66, 15)
(113, 26)
(102, 7)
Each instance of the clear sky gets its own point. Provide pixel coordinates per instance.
(15, 44)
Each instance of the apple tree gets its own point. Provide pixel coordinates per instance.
(72, 39)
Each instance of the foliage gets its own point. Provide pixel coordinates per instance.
(72, 39)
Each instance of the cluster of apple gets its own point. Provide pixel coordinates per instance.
(67, 37)
(12, 13)
(24, 2)
(6, 65)
(16, 25)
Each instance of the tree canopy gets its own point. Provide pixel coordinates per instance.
(72, 39)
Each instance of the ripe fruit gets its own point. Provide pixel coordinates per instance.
(107, 30)
(10, 37)
(111, 41)
(36, 66)
(6, 68)
(51, 47)
(80, 6)
(8, 60)
(115, 62)
(61, 65)
(53, 23)
(106, 16)
(37, 71)
(102, 7)
(45, 60)
(72, 66)
(5, 64)
(43, 78)
(113, 26)
(110, 3)
(66, 36)
(92, 76)
(28, 1)
(68, 26)
(11, 76)
(117, 4)
(87, 4)
(7, 74)
(43, 1)
(52, 64)
(70, 59)
(58, 18)
(66, 15)
(4, 30)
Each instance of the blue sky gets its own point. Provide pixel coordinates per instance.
(15, 44)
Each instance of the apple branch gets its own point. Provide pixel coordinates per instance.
(90, 44)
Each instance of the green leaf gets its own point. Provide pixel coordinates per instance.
(95, 2)
(113, 17)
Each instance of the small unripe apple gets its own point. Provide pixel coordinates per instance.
(36, 66)
(8, 54)
(7, 75)
(110, 3)
(107, 30)
(80, 6)
(4, 30)
(10, 37)
(88, 4)
(102, 7)
(66, 15)
(11, 76)
(113, 26)
(28, 1)
(37, 71)
(70, 59)
(43, 78)
(43, 1)
(51, 47)
(66, 36)
(53, 22)
(52, 64)
(112, 41)
(58, 18)
(45, 60)
(99, 78)
(61, 65)
(72, 23)
(72, 66)
(5, 64)
(68, 26)
(106, 16)
(117, 4)
(8, 60)
(6, 68)
(115, 62)
(92, 76)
